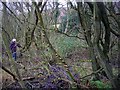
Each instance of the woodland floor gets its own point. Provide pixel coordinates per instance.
(36, 74)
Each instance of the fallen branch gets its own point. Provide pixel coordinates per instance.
(10, 73)
(92, 73)
(28, 78)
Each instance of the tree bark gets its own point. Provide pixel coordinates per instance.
(57, 57)
(6, 70)
(87, 34)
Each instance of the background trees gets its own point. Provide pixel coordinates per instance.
(50, 32)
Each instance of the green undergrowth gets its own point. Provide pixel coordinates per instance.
(64, 44)
(100, 85)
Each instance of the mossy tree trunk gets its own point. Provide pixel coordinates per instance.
(6, 45)
(87, 34)
(57, 58)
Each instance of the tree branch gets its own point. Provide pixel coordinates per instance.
(43, 6)
(6, 70)
(11, 12)
(69, 35)
(92, 73)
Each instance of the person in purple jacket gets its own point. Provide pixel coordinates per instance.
(13, 48)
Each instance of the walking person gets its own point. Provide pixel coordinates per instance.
(13, 48)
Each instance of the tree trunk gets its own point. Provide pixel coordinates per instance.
(102, 54)
(87, 34)
(57, 57)
(6, 44)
